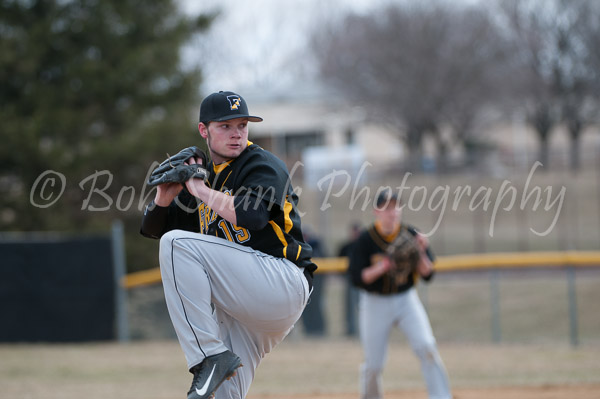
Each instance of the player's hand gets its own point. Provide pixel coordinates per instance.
(195, 186)
(424, 267)
(166, 193)
(385, 264)
(195, 160)
(381, 266)
(422, 241)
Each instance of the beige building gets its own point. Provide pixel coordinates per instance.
(310, 127)
(299, 129)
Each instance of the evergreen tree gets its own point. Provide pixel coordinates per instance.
(93, 91)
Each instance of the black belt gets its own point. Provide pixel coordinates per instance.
(309, 278)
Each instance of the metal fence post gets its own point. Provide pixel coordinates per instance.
(495, 306)
(573, 324)
(118, 253)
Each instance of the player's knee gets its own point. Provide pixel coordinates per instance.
(166, 245)
(167, 238)
(427, 352)
(371, 370)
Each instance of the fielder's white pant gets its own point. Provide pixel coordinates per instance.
(378, 314)
(221, 295)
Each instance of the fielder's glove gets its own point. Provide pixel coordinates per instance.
(404, 255)
(173, 169)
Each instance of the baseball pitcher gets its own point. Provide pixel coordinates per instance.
(236, 272)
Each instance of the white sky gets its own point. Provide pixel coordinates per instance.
(256, 43)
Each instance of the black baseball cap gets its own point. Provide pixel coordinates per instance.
(223, 106)
(385, 197)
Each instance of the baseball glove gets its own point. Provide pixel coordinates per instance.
(404, 254)
(173, 169)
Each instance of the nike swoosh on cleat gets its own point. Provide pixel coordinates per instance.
(202, 391)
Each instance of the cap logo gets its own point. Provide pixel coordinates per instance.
(234, 102)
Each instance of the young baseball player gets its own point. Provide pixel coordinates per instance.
(389, 299)
(236, 272)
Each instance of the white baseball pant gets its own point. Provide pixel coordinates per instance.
(378, 314)
(222, 295)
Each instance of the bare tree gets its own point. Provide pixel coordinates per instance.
(416, 67)
(476, 66)
(555, 42)
(580, 77)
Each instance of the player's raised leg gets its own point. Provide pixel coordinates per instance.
(201, 271)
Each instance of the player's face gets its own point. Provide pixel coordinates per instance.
(226, 140)
(389, 216)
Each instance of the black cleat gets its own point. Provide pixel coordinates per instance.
(211, 373)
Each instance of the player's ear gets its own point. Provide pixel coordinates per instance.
(203, 129)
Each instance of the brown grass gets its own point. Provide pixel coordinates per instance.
(298, 368)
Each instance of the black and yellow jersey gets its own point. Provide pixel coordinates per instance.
(367, 250)
(259, 182)
(257, 179)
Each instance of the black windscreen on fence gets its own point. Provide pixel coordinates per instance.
(56, 290)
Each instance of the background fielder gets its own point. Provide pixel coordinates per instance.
(388, 299)
(236, 271)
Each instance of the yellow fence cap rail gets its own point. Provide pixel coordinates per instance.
(442, 264)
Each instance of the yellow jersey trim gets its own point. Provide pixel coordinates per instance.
(287, 209)
(387, 237)
(223, 184)
(280, 235)
(220, 167)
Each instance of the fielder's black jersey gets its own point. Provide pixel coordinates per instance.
(368, 248)
(259, 181)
